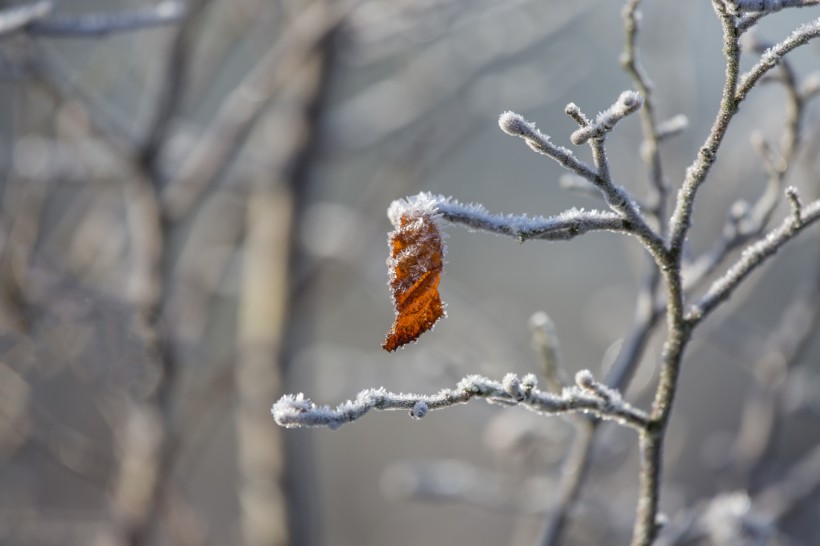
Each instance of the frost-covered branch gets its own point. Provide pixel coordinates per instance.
(587, 397)
(681, 219)
(771, 58)
(628, 103)
(746, 222)
(735, 90)
(575, 466)
(615, 196)
(796, 204)
(567, 225)
(515, 125)
(570, 223)
(769, 6)
(753, 257)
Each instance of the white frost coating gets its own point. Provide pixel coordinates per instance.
(628, 102)
(515, 124)
(584, 379)
(769, 5)
(414, 206)
(297, 411)
(772, 56)
(752, 256)
(565, 225)
(513, 387)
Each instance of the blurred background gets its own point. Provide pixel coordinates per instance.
(192, 223)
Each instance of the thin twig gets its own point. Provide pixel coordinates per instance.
(616, 197)
(298, 411)
(681, 219)
(769, 6)
(801, 36)
(751, 259)
(515, 125)
(567, 225)
(652, 134)
(647, 311)
(745, 223)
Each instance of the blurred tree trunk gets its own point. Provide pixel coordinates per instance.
(262, 323)
(276, 499)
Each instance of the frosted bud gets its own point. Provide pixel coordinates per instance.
(584, 379)
(420, 410)
(514, 124)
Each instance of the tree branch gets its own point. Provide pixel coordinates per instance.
(567, 225)
(587, 397)
(752, 258)
(681, 218)
(771, 58)
(769, 6)
(616, 197)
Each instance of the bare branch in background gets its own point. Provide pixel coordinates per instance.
(168, 12)
(242, 108)
(15, 18)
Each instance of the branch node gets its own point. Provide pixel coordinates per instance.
(512, 386)
(515, 125)
(628, 102)
(586, 381)
(420, 410)
(573, 111)
(796, 204)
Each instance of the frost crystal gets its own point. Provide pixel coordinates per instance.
(415, 206)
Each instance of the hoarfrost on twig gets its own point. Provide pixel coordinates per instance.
(566, 225)
(588, 396)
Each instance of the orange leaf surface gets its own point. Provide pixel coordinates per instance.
(415, 266)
